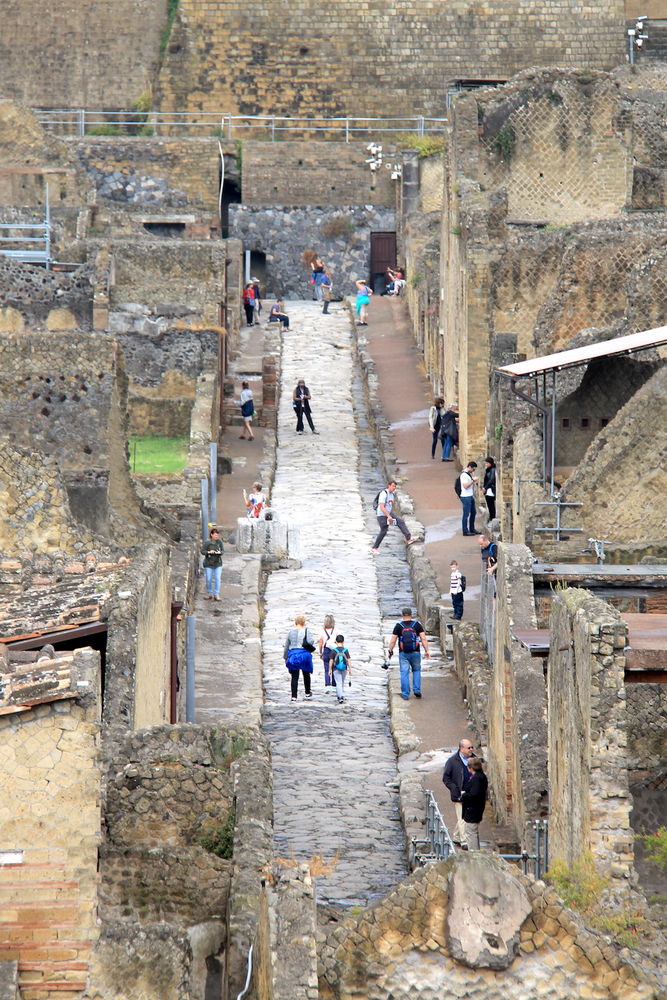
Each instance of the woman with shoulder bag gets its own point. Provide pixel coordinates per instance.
(435, 415)
(247, 412)
(449, 432)
(298, 655)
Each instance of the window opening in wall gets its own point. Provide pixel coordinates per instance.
(604, 421)
(584, 422)
(169, 230)
(566, 422)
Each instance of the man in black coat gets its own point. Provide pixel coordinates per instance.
(456, 776)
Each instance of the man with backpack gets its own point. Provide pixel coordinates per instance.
(382, 505)
(464, 488)
(409, 634)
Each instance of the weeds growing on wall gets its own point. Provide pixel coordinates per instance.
(424, 145)
(581, 886)
(339, 225)
(172, 7)
(218, 838)
(103, 130)
(158, 456)
(656, 847)
(505, 141)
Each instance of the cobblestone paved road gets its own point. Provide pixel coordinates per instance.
(334, 765)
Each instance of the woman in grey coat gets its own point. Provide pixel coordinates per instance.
(299, 657)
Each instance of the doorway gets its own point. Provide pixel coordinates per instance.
(383, 255)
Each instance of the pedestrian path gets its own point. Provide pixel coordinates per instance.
(334, 766)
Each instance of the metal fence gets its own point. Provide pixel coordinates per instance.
(437, 845)
(81, 122)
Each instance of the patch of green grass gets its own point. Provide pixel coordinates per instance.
(108, 129)
(424, 145)
(158, 456)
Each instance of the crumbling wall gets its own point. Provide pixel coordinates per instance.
(517, 700)
(587, 736)
(32, 298)
(50, 816)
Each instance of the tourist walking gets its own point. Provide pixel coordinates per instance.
(325, 644)
(363, 299)
(473, 801)
(449, 432)
(256, 504)
(435, 415)
(341, 666)
(258, 300)
(317, 268)
(383, 504)
(298, 656)
(489, 486)
(277, 312)
(457, 584)
(457, 777)
(247, 412)
(212, 551)
(249, 303)
(326, 286)
(466, 493)
(301, 403)
(410, 635)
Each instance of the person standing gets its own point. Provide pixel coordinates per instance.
(409, 634)
(249, 303)
(363, 299)
(212, 551)
(325, 644)
(298, 656)
(473, 800)
(435, 415)
(449, 432)
(257, 304)
(490, 485)
(456, 585)
(326, 286)
(384, 503)
(301, 404)
(467, 497)
(317, 268)
(341, 666)
(247, 412)
(456, 777)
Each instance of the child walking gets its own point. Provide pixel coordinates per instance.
(341, 664)
(456, 588)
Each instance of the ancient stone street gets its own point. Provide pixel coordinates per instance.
(334, 765)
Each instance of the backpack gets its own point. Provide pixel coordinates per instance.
(457, 486)
(340, 659)
(409, 640)
(463, 583)
(376, 501)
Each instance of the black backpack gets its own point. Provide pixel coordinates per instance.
(457, 486)
(376, 502)
(408, 641)
(463, 583)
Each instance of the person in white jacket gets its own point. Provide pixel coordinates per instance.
(435, 415)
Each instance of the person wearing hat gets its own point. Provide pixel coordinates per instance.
(258, 299)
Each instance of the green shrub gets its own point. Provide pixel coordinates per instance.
(505, 141)
(218, 838)
(424, 145)
(656, 847)
(172, 7)
(107, 129)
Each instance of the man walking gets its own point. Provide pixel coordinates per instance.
(383, 509)
(467, 497)
(410, 635)
(456, 777)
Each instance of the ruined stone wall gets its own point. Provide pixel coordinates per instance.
(340, 236)
(454, 927)
(32, 298)
(50, 813)
(59, 56)
(590, 802)
(156, 174)
(517, 700)
(396, 57)
(304, 174)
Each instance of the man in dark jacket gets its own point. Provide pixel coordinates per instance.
(456, 776)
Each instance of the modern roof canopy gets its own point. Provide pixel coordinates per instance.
(582, 355)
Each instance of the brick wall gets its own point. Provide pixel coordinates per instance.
(379, 60)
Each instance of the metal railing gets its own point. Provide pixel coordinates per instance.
(81, 122)
(17, 244)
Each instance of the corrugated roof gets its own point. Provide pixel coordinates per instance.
(582, 355)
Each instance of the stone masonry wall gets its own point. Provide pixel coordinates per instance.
(517, 700)
(396, 57)
(35, 299)
(341, 237)
(590, 801)
(50, 813)
(60, 56)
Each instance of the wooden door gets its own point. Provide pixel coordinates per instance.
(383, 255)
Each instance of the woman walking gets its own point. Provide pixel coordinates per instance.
(490, 485)
(473, 799)
(212, 550)
(298, 655)
(325, 643)
(363, 299)
(301, 404)
(435, 415)
(249, 303)
(247, 412)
